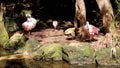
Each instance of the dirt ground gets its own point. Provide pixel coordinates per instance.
(50, 35)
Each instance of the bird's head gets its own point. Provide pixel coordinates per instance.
(87, 22)
(28, 15)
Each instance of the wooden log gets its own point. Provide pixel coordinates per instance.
(16, 56)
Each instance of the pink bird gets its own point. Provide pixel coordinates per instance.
(29, 24)
(91, 30)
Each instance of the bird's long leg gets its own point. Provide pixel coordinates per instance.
(91, 37)
(29, 34)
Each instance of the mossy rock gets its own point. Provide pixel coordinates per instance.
(107, 56)
(34, 48)
(4, 35)
(70, 32)
(53, 51)
(49, 52)
(17, 40)
(30, 47)
(78, 53)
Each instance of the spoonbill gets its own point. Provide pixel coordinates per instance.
(91, 30)
(55, 24)
(29, 24)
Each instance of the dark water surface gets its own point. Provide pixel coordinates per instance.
(43, 64)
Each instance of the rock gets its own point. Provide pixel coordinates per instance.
(16, 40)
(54, 51)
(78, 53)
(38, 51)
(70, 32)
(31, 46)
(108, 56)
(67, 24)
(50, 52)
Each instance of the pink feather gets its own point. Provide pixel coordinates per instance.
(29, 24)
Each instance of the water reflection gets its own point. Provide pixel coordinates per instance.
(15, 64)
(27, 63)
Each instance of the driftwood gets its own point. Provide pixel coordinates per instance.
(16, 56)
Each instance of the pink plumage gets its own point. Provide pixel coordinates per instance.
(30, 23)
(91, 30)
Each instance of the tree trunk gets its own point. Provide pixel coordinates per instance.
(80, 14)
(3, 33)
(107, 14)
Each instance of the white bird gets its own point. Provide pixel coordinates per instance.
(91, 30)
(29, 24)
(55, 24)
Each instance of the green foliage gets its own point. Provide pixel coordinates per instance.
(112, 26)
(24, 12)
(117, 38)
(16, 41)
(3, 34)
(10, 24)
(118, 4)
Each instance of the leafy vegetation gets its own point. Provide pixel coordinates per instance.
(118, 5)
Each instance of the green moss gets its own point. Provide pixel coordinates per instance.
(112, 27)
(118, 4)
(16, 41)
(104, 57)
(53, 51)
(3, 34)
(118, 38)
(10, 24)
(78, 53)
(88, 51)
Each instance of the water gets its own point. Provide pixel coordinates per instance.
(44, 64)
